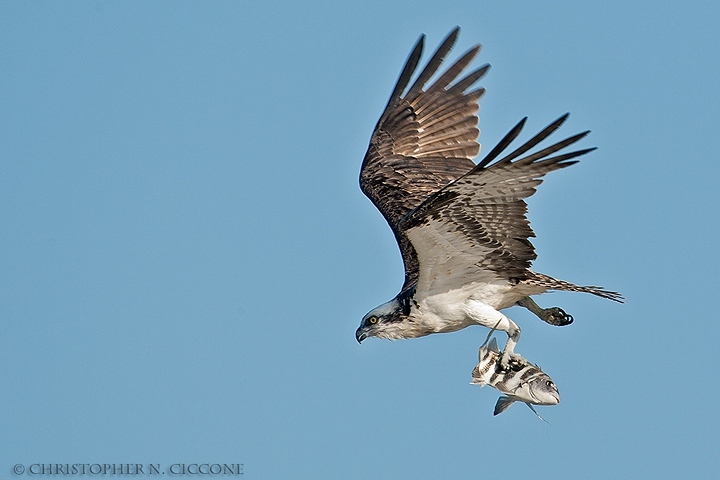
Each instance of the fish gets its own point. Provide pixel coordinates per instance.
(522, 382)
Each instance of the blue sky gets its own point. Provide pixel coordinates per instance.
(185, 253)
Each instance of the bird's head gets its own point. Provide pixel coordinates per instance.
(383, 322)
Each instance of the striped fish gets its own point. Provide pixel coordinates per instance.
(522, 382)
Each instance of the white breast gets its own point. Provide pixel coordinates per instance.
(454, 310)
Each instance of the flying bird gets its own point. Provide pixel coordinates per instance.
(461, 227)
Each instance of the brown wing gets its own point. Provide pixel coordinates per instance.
(424, 140)
(476, 229)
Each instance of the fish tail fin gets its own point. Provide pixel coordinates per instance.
(502, 404)
(477, 378)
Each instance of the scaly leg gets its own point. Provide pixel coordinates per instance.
(509, 351)
(553, 315)
(487, 316)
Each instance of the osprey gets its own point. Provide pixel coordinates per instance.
(461, 227)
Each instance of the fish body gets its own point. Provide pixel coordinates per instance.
(521, 382)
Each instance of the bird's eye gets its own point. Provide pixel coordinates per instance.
(372, 320)
(549, 383)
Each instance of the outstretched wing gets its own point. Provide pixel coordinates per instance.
(475, 228)
(424, 139)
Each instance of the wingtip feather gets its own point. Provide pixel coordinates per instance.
(434, 63)
(506, 140)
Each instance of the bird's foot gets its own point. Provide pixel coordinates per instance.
(555, 316)
(510, 359)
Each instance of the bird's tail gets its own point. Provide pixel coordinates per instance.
(551, 283)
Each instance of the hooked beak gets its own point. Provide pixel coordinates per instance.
(360, 335)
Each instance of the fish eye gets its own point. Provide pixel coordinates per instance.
(373, 320)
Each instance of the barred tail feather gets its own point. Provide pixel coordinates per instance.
(554, 284)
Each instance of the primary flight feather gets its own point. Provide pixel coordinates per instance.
(461, 227)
